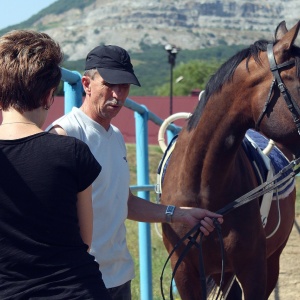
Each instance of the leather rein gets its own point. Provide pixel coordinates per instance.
(272, 184)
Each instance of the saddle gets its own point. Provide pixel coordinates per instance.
(277, 161)
(264, 166)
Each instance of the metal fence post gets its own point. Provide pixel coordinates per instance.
(72, 89)
(141, 127)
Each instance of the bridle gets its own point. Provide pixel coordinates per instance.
(291, 103)
(293, 168)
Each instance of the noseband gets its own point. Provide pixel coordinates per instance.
(291, 103)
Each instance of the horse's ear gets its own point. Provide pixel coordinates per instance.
(287, 40)
(280, 31)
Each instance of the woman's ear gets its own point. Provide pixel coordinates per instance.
(50, 99)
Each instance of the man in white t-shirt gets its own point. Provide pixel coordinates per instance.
(106, 82)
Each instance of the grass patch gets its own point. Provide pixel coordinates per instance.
(159, 253)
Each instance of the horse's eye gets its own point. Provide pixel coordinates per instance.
(288, 77)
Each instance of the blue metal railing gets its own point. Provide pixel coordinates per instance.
(73, 97)
(72, 89)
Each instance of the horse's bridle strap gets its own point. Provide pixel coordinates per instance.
(280, 66)
(291, 103)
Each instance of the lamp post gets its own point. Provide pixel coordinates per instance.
(172, 52)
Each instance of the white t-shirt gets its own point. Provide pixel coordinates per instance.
(110, 195)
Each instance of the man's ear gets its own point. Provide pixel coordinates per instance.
(86, 83)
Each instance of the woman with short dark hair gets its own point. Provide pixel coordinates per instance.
(45, 182)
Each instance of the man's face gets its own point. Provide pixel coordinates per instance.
(107, 99)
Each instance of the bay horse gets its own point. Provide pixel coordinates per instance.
(208, 167)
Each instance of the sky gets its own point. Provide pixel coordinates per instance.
(16, 11)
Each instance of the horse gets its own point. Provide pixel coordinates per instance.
(208, 168)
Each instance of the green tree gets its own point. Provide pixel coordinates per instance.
(195, 74)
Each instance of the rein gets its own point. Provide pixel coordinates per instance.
(195, 232)
(291, 103)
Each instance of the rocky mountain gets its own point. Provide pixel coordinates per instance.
(81, 25)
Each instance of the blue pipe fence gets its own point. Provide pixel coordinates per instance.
(73, 97)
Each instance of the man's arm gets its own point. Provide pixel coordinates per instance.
(56, 129)
(146, 211)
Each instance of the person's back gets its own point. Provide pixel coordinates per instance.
(41, 246)
(45, 183)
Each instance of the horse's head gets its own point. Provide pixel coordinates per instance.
(279, 116)
(262, 84)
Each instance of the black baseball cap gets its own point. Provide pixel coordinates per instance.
(113, 64)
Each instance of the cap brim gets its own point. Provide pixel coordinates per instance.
(118, 76)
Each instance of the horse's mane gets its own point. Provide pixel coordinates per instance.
(225, 74)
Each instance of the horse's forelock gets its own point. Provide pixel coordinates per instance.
(224, 75)
(255, 49)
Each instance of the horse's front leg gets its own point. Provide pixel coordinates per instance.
(252, 273)
(187, 276)
(188, 281)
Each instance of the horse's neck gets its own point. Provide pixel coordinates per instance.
(217, 138)
(212, 150)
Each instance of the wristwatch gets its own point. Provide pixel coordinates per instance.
(169, 213)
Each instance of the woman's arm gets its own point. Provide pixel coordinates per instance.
(85, 215)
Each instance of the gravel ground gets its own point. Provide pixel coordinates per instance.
(288, 286)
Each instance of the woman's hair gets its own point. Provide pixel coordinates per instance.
(29, 69)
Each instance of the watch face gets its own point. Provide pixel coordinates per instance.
(170, 210)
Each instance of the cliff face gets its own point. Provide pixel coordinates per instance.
(187, 24)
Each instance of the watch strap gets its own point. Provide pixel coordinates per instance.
(169, 213)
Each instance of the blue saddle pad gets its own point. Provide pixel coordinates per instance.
(277, 158)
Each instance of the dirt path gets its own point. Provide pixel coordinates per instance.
(288, 286)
